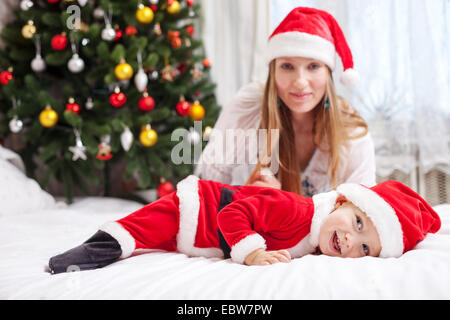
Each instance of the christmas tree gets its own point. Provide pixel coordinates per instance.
(88, 84)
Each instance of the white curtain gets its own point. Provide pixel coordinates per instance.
(235, 34)
(401, 49)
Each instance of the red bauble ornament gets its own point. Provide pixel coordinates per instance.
(119, 35)
(175, 42)
(190, 30)
(172, 34)
(169, 2)
(206, 63)
(59, 42)
(53, 1)
(182, 67)
(154, 7)
(131, 31)
(5, 77)
(146, 103)
(190, 2)
(72, 106)
(117, 99)
(183, 107)
(165, 188)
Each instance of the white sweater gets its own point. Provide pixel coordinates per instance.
(234, 163)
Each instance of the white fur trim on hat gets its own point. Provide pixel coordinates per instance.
(299, 44)
(381, 214)
(350, 78)
(123, 237)
(323, 206)
(243, 248)
(187, 193)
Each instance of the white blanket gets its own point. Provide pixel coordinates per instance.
(28, 240)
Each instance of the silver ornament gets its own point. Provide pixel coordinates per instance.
(108, 34)
(75, 64)
(15, 125)
(126, 139)
(38, 64)
(99, 13)
(78, 149)
(154, 75)
(89, 104)
(26, 4)
(82, 2)
(141, 80)
(154, 2)
(207, 133)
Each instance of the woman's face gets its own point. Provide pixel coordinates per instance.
(301, 82)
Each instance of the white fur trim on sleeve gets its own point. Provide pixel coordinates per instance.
(246, 246)
(302, 248)
(123, 237)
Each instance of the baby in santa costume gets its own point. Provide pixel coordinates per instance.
(259, 225)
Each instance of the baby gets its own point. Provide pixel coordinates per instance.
(259, 225)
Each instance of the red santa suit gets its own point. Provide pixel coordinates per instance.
(212, 219)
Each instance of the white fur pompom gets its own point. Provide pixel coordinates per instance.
(349, 78)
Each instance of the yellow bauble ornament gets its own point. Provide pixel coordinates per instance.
(48, 117)
(29, 30)
(144, 14)
(174, 8)
(148, 136)
(196, 112)
(123, 71)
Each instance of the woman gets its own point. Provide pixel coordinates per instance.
(321, 142)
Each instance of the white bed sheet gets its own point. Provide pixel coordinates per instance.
(28, 240)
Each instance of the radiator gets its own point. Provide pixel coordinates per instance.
(433, 186)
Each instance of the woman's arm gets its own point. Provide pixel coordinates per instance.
(360, 162)
(243, 113)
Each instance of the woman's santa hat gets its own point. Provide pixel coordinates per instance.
(401, 217)
(312, 33)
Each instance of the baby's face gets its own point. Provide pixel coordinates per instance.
(349, 233)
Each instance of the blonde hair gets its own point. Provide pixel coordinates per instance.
(332, 128)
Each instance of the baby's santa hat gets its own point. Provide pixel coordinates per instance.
(401, 217)
(312, 33)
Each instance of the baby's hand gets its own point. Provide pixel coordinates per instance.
(262, 257)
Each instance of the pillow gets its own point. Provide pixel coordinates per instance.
(18, 193)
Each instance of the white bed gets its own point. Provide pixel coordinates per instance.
(34, 227)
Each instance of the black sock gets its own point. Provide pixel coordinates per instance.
(98, 251)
